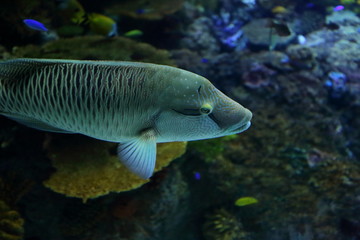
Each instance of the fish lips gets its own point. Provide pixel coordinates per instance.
(242, 128)
(243, 125)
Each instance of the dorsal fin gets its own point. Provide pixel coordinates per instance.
(17, 68)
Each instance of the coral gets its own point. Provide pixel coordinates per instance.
(11, 223)
(301, 57)
(154, 10)
(258, 76)
(96, 48)
(222, 225)
(297, 169)
(309, 21)
(190, 61)
(227, 27)
(87, 168)
(207, 4)
(343, 18)
(258, 34)
(336, 83)
(156, 211)
(269, 4)
(211, 148)
(199, 38)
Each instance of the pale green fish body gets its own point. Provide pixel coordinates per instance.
(135, 104)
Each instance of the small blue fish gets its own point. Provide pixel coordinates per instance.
(204, 60)
(339, 8)
(35, 25)
(197, 175)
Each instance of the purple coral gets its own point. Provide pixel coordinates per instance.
(258, 76)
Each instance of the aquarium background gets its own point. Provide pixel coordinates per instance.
(294, 175)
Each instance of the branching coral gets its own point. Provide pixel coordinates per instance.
(11, 223)
(222, 225)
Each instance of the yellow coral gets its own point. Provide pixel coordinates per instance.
(88, 168)
(11, 223)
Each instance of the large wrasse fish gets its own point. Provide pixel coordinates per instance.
(134, 104)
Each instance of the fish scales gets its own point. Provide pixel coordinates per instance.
(78, 97)
(134, 104)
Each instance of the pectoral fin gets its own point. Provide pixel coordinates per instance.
(139, 155)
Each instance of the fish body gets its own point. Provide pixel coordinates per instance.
(244, 201)
(35, 25)
(134, 33)
(102, 24)
(134, 104)
(95, 22)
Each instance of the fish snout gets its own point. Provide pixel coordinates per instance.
(235, 121)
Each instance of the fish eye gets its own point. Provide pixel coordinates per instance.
(206, 109)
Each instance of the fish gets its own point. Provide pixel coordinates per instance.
(279, 9)
(134, 33)
(197, 175)
(244, 201)
(72, 9)
(95, 22)
(35, 25)
(277, 29)
(280, 28)
(134, 104)
(338, 8)
(101, 24)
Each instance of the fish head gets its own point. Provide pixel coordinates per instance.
(194, 109)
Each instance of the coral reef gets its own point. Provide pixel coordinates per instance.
(87, 168)
(199, 37)
(155, 9)
(211, 148)
(96, 48)
(222, 225)
(299, 159)
(156, 211)
(227, 27)
(301, 57)
(11, 223)
(258, 34)
(289, 165)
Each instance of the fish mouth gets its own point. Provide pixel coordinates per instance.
(242, 127)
